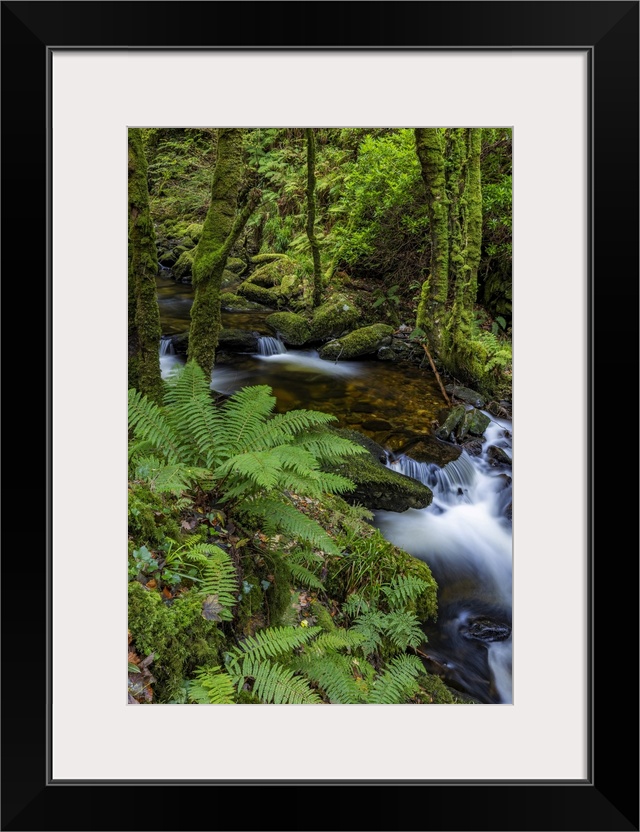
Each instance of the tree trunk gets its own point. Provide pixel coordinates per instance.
(311, 216)
(473, 194)
(222, 227)
(144, 315)
(433, 296)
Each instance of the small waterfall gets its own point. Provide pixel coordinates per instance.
(449, 484)
(270, 346)
(166, 346)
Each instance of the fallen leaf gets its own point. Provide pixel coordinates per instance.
(166, 592)
(152, 584)
(211, 608)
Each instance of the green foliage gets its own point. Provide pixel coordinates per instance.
(242, 453)
(211, 686)
(398, 682)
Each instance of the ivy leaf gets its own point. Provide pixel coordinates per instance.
(211, 608)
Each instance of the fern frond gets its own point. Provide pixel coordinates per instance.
(334, 675)
(147, 421)
(304, 576)
(283, 427)
(211, 686)
(355, 605)
(337, 639)
(280, 516)
(370, 627)
(398, 682)
(404, 589)
(192, 413)
(278, 685)
(271, 643)
(328, 447)
(244, 415)
(219, 578)
(403, 629)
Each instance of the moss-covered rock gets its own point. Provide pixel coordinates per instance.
(475, 423)
(180, 638)
(377, 486)
(229, 279)
(236, 265)
(258, 294)
(269, 257)
(451, 422)
(238, 339)
(183, 266)
(271, 274)
(465, 394)
(364, 341)
(193, 231)
(231, 302)
(332, 319)
(292, 328)
(433, 691)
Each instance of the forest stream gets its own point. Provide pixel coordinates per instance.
(464, 535)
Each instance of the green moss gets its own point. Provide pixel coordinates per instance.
(236, 265)
(292, 328)
(257, 294)
(272, 274)
(194, 231)
(150, 519)
(230, 301)
(377, 486)
(323, 616)
(454, 417)
(176, 633)
(332, 319)
(183, 266)
(433, 691)
(364, 341)
(270, 257)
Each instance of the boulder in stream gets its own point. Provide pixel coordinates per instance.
(450, 424)
(364, 341)
(498, 456)
(475, 422)
(465, 394)
(378, 487)
(238, 339)
(292, 328)
(486, 629)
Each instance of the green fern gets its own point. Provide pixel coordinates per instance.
(397, 684)
(219, 579)
(211, 686)
(240, 452)
(274, 684)
(334, 674)
(271, 643)
(304, 576)
(403, 629)
(403, 590)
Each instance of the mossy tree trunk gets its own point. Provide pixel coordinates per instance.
(144, 315)
(311, 216)
(450, 163)
(222, 227)
(433, 297)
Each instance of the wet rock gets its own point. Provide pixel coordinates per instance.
(498, 456)
(453, 419)
(293, 329)
(181, 343)
(330, 320)
(377, 424)
(475, 422)
(486, 629)
(364, 341)
(465, 394)
(429, 449)
(238, 339)
(378, 487)
(232, 303)
(387, 354)
(473, 446)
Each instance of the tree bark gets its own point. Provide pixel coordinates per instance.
(311, 216)
(222, 227)
(434, 292)
(144, 314)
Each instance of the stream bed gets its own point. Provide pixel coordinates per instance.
(465, 535)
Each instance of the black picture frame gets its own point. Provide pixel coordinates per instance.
(608, 798)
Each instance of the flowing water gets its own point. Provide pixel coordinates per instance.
(465, 535)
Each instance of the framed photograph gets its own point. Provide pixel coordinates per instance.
(544, 751)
